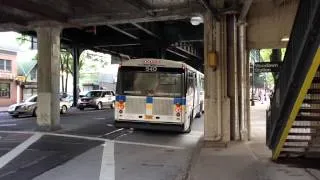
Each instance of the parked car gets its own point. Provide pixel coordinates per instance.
(67, 98)
(29, 107)
(97, 99)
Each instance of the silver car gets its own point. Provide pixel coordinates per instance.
(29, 107)
(97, 99)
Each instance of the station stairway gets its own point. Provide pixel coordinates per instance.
(293, 118)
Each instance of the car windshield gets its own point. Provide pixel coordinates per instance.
(31, 99)
(94, 94)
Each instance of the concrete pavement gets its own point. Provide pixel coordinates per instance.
(89, 147)
(250, 160)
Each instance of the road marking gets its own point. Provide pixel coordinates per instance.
(112, 132)
(110, 125)
(99, 118)
(107, 169)
(97, 139)
(5, 159)
(7, 125)
(148, 145)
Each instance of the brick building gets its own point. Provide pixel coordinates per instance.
(8, 73)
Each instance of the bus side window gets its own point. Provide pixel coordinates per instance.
(191, 82)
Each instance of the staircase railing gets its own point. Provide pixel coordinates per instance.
(303, 44)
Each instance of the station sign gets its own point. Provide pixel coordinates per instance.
(261, 67)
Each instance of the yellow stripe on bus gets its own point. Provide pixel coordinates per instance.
(306, 85)
(148, 106)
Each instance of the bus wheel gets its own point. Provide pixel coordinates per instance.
(188, 130)
(198, 115)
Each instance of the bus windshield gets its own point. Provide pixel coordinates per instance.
(138, 83)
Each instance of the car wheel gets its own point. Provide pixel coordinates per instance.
(64, 109)
(81, 109)
(112, 105)
(99, 106)
(34, 114)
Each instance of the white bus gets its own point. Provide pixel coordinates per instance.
(158, 94)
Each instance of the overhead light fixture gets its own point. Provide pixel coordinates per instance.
(196, 20)
(285, 39)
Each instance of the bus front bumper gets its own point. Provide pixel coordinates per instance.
(150, 126)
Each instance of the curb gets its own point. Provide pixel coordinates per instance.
(192, 160)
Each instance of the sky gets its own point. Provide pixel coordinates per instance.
(9, 42)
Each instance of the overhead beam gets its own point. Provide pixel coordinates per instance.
(244, 11)
(181, 50)
(176, 53)
(119, 45)
(140, 5)
(213, 10)
(145, 30)
(36, 9)
(278, 2)
(123, 32)
(14, 19)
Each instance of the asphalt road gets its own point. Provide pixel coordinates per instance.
(87, 141)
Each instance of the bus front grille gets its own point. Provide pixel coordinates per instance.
(162, 106)
(136, 105)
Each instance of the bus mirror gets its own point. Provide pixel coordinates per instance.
(213, 60)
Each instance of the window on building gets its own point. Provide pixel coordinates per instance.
(5, 65)
(33, 74)
(4, 90)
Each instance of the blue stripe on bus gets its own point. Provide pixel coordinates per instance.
(121, 98)
(149, 100)
(181, 101)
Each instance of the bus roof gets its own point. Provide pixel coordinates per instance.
(157, 62)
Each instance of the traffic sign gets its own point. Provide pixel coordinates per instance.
(267, 67)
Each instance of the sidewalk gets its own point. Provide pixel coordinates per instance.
(247, 161)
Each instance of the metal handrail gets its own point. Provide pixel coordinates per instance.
(299, 46)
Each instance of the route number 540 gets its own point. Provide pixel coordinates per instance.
(151, 68)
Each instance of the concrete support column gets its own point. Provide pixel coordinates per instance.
(243, 83)
(76, 55)
(247, 97)
(217, 105)
(233, 88)
(48, 112)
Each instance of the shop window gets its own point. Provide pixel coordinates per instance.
(4, 90)
(5, 65)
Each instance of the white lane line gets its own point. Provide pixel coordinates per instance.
(148, 145)
(111, 132)
(56, 134)
(7, 125)
(107, 170)
(110, 125)
(99, 118)
(97, 139)
(5, 159)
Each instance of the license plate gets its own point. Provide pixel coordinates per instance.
(148, 117)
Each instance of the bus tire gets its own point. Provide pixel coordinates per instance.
(189, 128)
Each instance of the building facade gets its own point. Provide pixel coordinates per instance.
(8, 73)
